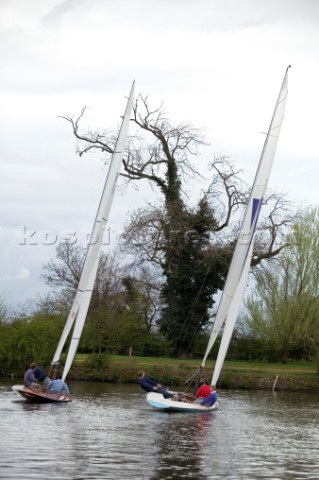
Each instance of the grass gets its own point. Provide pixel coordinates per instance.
(173, 371)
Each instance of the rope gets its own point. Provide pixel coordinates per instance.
(185, 328)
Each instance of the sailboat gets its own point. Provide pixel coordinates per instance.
(81, 302)
(239, 268)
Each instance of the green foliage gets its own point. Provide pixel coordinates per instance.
(250, 347)
(155, 345)
(284, 307)
(194, 272)
(98, 361)
(116, 325)
(25, 340)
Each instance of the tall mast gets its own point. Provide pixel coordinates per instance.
(238, 270)
(84, 291)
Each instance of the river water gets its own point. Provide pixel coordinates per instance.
(110, 432)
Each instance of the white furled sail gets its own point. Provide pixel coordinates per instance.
(83, 295)
(232, 317)
(238, 270)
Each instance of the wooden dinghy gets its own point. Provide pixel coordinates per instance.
(39, 395)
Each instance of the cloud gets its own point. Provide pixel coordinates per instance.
(23, 273)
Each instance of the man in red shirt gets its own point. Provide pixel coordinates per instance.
(206, 395)
(203, 390)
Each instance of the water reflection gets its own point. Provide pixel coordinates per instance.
(109, 432)
(180, 438)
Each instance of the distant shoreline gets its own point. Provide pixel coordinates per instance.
(245, 375)
(248, 375)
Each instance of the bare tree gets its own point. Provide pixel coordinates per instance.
(63, 273)
(170, 235)
(3, 309)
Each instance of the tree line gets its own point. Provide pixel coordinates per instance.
(280, 321)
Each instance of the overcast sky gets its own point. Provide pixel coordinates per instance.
(215, 63)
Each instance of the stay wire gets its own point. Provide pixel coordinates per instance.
(186, 325)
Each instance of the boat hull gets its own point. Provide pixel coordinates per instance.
(38, 396)
(156, 400)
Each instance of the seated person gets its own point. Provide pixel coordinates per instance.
(29, 379)
(203, 390)
(211, 399)
(58, 386)
(40, 375)
(150, 385)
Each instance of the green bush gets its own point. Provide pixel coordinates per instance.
(98, 362)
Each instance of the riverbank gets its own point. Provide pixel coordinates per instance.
(293, 376)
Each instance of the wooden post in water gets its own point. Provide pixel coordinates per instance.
(275, 382)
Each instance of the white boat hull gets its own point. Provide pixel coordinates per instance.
(156, 400)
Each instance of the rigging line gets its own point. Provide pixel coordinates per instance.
(186, 324)
(196, 332)
(196, 373)
(199, 371)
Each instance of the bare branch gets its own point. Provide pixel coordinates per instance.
(91, 140)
